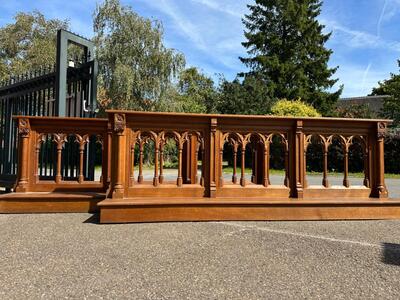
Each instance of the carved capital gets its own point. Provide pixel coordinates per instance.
(381, 130)
(24, 127)
(119, 123)
(213, 125)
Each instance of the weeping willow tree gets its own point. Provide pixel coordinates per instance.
(135, 66)
(28, 43)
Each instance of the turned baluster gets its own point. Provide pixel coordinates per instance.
(266, 165)
(161, 177)
(179, 180)
(242, 174)
(39, 142)
(253, 163)
(196, 155)
(141, 146)
(325, 181)
(366, 167)
(305, 168)
(132, 154)
(286, 180)
(235, 150)
(346, 181)
(82, 141)
(221, 161)
(60, 140)
(156, 154)
(203, 165)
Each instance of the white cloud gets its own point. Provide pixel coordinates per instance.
(358, 39)
(359, 80)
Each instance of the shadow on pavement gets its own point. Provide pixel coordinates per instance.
(93, 219)
(391, 254)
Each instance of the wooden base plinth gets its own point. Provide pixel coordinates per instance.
(49, 202)
(148, 210)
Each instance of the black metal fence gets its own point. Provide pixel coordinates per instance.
(34, 94)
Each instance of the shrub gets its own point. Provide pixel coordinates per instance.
(294, 108)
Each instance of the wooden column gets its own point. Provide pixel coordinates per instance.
(346, 181)
(366, 181)
(24, 132)
(60, 139)
(82, 141)
(299, 160)
(266, 165)
(286, 181)
(212, 165)
(235, 146)
(325, 181)
(381, 190)
(179, 180)
(156, 158)
(221, 161)
(119, 154)
(39, 141)
(161, 178)
(142, 141)
(132, 164)
(203, 164)
(243, 165)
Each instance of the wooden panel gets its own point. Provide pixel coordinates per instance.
(214, 211)
(49, 202)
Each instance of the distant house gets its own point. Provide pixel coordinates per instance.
(375, 103)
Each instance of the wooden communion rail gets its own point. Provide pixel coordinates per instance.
(124, 193)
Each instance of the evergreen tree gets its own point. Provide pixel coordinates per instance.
(248, 97)
(286, 48)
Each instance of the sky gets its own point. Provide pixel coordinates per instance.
(365, 33)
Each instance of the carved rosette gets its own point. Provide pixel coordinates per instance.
(119, 123)
(382, 128)
(24, 127)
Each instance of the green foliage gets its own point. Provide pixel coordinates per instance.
(285, 46)
(361, 111)
(391, 105)
(249, 97)
(295, 108)
(194, 92)
(28, 43)
(135, 67)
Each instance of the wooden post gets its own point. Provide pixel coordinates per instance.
(266, 165)
(24, 131)
(381, 190)
(325, 181)
(156, 157)
(242, 169)
(141, 149)
(212, 165)
(179, 180)
(346, 181)
(119, 153)
(60, 139)
(82, 141)
(235, 146)
(161, 178)
(299, 159)
(286, 181)
(366, 165)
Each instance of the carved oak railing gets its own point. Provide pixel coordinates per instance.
(202, 145)
(53, 152)
(205, 138)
